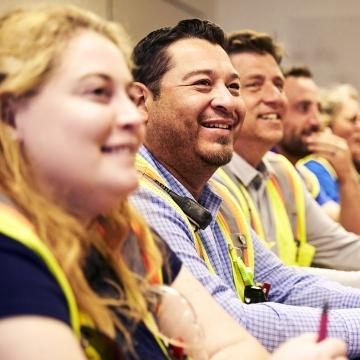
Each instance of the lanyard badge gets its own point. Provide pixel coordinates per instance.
(256, 293)
(253, 293)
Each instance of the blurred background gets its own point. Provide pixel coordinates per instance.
(325, 34)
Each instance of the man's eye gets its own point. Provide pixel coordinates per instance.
(303, 108)
(353, 119)
(252, 85)
(279, 85)
(235, 86)
(203, 82)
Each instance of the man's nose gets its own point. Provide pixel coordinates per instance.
(228, 103)
(314, 119)
(273, 94)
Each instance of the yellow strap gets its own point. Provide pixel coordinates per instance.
(242, 276)
(246, 203)
(150, 323)
(203, 254)
(145, 168)
(311, 181)
(239, 218)
(305, 251)
(91, 353)
(224, 177)
(157, 277)
(255, 217)
(297, 188)
(14, 225)
(243, 273)
(284, 235)
(287, 249)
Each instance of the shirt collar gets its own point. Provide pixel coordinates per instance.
(208, 198)
(247, 174)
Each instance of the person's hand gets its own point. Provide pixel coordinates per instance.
(305, 347)
(177, 321)
(354, 144)
(334, 149)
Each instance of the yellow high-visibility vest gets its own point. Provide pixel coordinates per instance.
(325, 163)
(293, 249)
(242, 266)
(310, 179)
(14, 225)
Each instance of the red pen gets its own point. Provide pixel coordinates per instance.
(322, 334)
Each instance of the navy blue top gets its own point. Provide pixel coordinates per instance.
(26, 285)
(28, 288)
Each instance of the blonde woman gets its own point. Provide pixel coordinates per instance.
(336, 155)
(342, 109)
(77, 264)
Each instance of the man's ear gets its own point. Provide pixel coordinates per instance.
(141, 95)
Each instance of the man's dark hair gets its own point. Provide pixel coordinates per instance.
(151, 60)
(298, 71)
(256, 42)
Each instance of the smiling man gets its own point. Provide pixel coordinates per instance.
(302, 136)
(195, 109)
(303, 117)
(271, 192)
(190, 93)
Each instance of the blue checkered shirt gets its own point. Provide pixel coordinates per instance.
(295, 297)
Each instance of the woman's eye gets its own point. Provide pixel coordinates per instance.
(101, 93)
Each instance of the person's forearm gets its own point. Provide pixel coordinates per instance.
(347, 278)
(270, 323)
(335, 247)
(239, 350)
(225, 338)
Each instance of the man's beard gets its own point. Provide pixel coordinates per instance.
(219, 158)
(295, 147)
(357, 165)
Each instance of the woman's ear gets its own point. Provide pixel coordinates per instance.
(140, 94)
(7, 109)
(7, 113)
